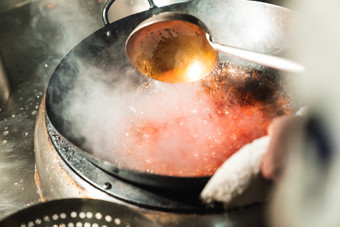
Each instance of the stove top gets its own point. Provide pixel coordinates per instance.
(32, 42)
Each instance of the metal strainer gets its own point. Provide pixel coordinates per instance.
(77, 213)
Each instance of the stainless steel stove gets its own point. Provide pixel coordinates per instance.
(32, 42)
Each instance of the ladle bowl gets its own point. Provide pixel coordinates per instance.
(176, 47)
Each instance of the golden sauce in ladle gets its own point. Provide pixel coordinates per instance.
(172, 51)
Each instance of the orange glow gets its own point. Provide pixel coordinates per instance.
(172, 51)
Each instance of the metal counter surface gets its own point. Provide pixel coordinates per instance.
(33, 39)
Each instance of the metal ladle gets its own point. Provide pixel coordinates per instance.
(176, 47)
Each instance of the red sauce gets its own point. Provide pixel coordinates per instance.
(233, 107)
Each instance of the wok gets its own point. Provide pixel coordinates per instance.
(246, 24)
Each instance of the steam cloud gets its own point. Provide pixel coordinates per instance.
(246, 25)
(106, 114)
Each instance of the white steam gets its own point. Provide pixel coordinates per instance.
(108, 116)
(248, 25)
(59, 15)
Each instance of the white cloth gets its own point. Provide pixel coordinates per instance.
(236, 175)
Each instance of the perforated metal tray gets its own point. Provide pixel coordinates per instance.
(75, 213)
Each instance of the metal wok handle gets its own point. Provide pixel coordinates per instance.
(108, 6)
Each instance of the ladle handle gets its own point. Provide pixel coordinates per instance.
(259, 58)
(108, 5)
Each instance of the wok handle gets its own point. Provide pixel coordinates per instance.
(106, 8)
(108, 5)
(152, 4)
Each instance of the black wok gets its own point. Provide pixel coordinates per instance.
(104, 49)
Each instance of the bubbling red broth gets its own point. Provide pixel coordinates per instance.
(190, 130)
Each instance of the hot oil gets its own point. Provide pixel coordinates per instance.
(191, 129)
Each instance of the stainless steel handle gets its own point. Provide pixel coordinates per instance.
(259, 58)
(108, 6)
